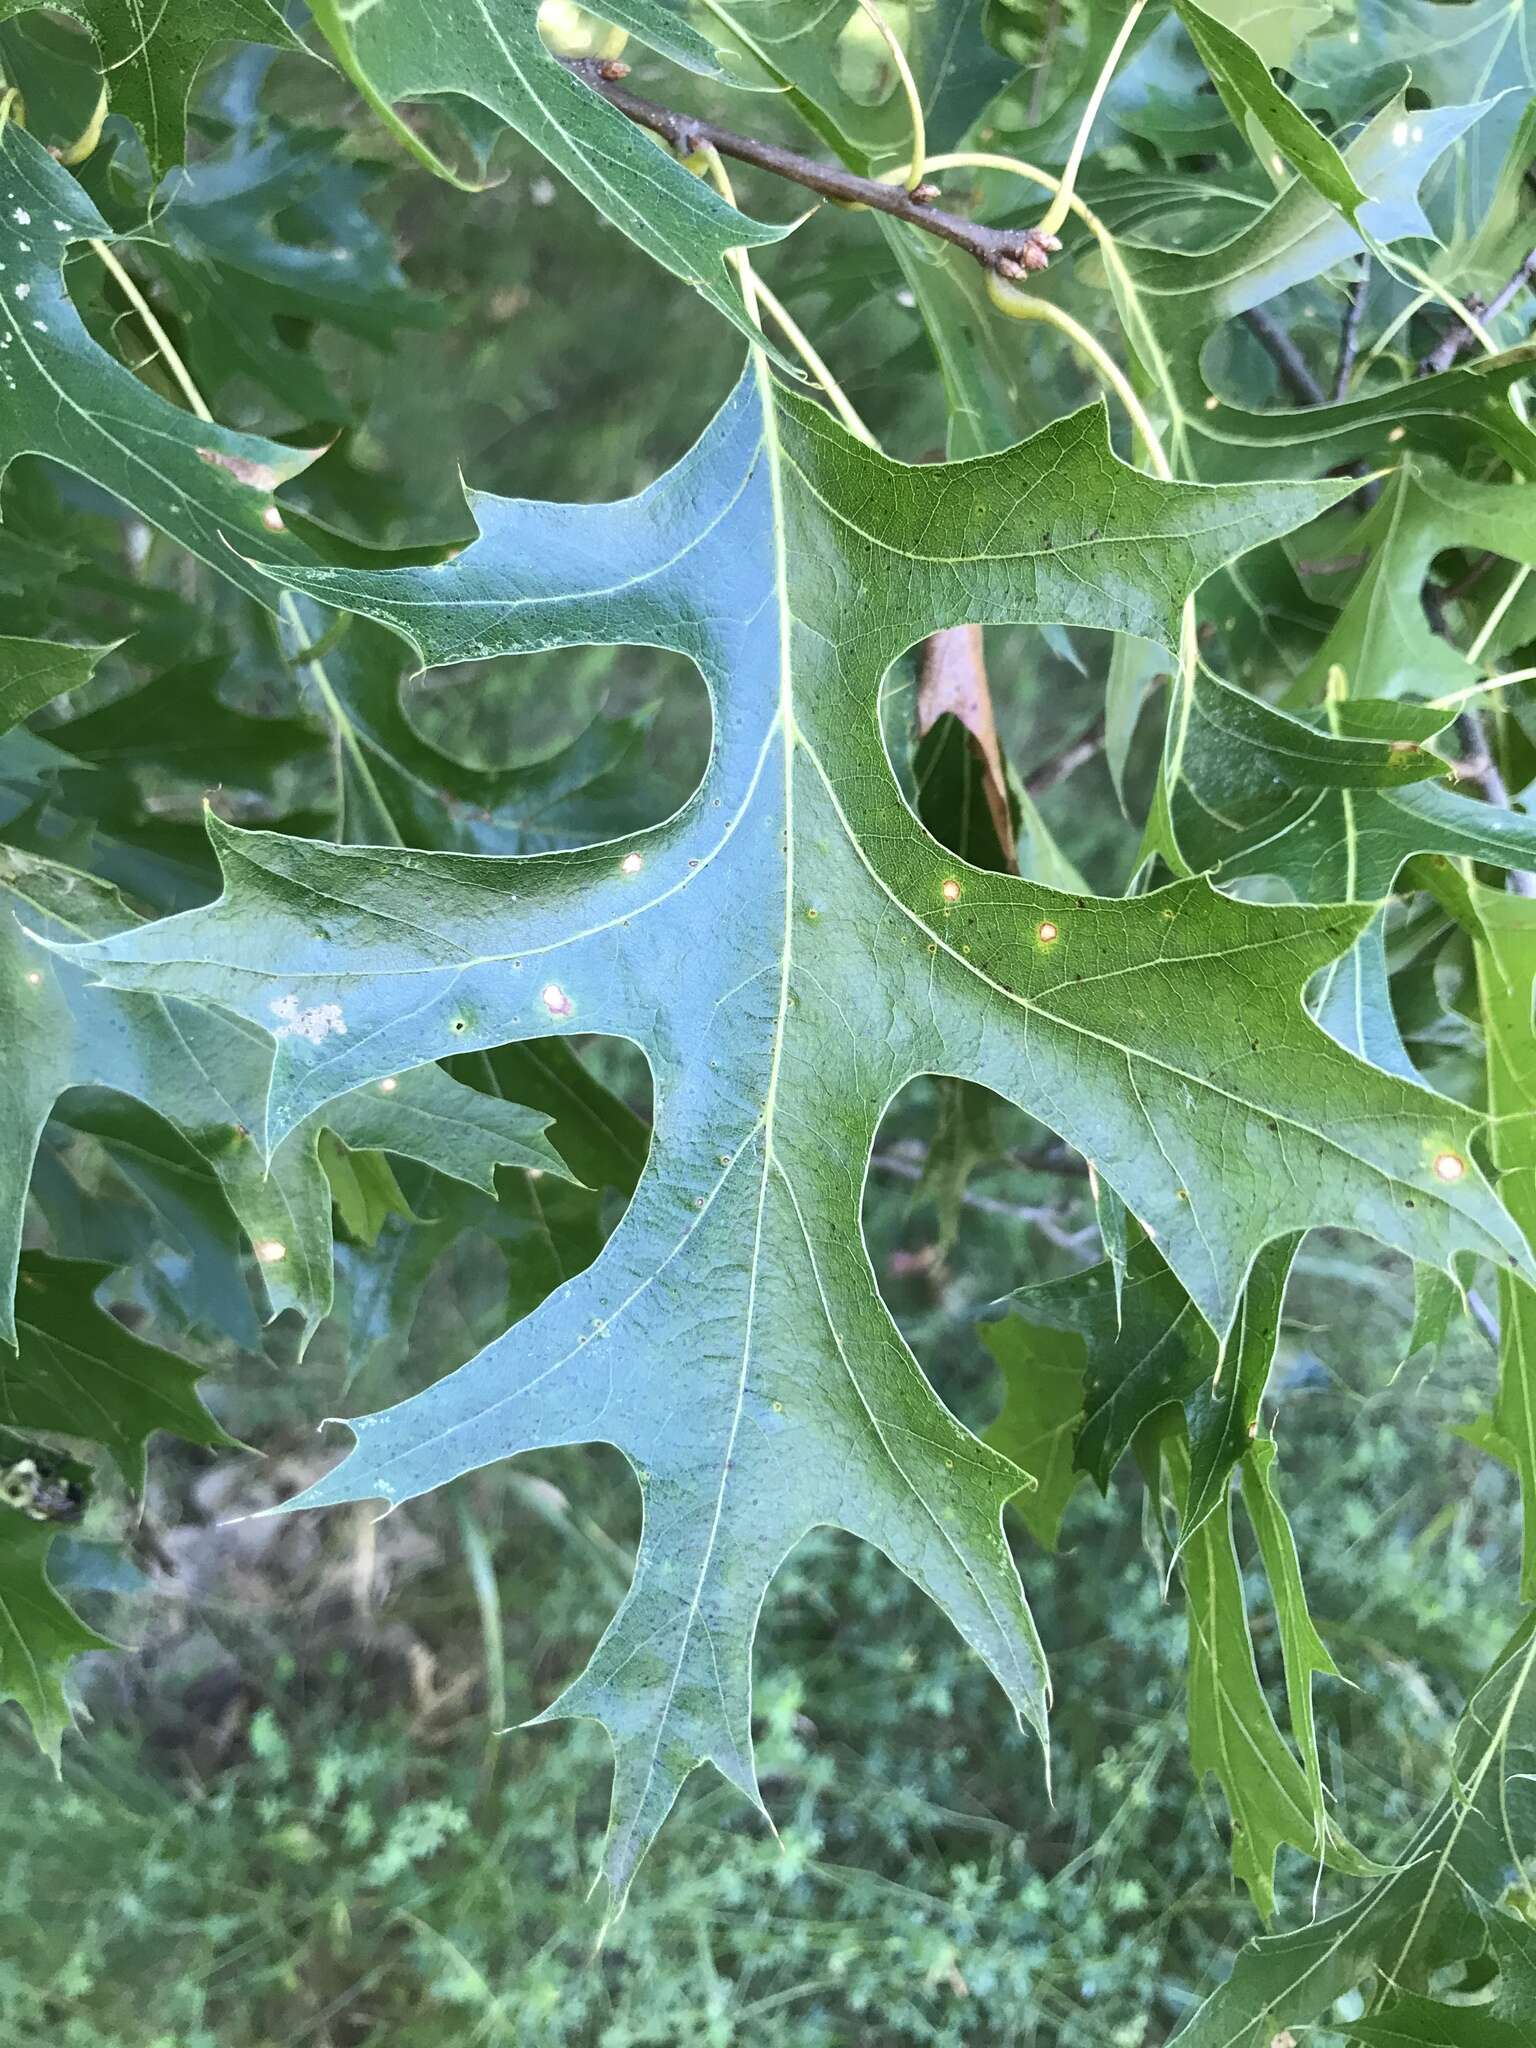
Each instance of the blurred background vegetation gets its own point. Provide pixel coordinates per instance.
(292, 1818)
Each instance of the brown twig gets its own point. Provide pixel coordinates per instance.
(1286, 357)
(1053, 1158)
(1479, 768)
(1009, 251)
(1046, 1220)
(1458, 338)
(1471, 578)
(1349, 334)
(1067, 762)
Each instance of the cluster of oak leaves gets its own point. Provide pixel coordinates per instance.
(1238, 1045)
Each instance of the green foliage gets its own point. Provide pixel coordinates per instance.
(148, 66)
(787, 1084)
(281, 1826)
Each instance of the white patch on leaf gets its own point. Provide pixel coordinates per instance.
(316, 1023)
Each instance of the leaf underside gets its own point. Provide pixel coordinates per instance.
(730, 1339)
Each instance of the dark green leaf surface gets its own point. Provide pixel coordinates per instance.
(63, 396)
(1507, 977)
(268, 232)
(1242, 78)
(1273, 1800)
(1173, 301)
(495, 55)
(1382, 640)
(1161, 1037)
(433, 800)
(1144, 1349)
(1414, 2022)
(34, 672)
(1454, 53)
(1434, 1909)
(1042, 1373)
(150, 56)
(1334, 815)
(80, 1372)
(1303, 1652)
(40, 1635)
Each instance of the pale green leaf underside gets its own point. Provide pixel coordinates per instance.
(789, 949)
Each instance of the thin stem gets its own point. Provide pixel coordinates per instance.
(1459, 338)
(720, 178)
(157, 334)
(1481, 771)
(1394, 327)
(1144, 339)
(1043, 779)
(799, 340)
(1475, 327)
(989, 160)
(1056, 212)
(1435, 290)
(334, 27)
(1046, 1220)
(84, 144)
(482, 1577)
(1516, 675)
(1188, 649)
(1469, 320)
(991, 247)
(1349, 336)
(1286, 356)
(306, 654)
(1495, 618)
(909, 87)
(1024, 306)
